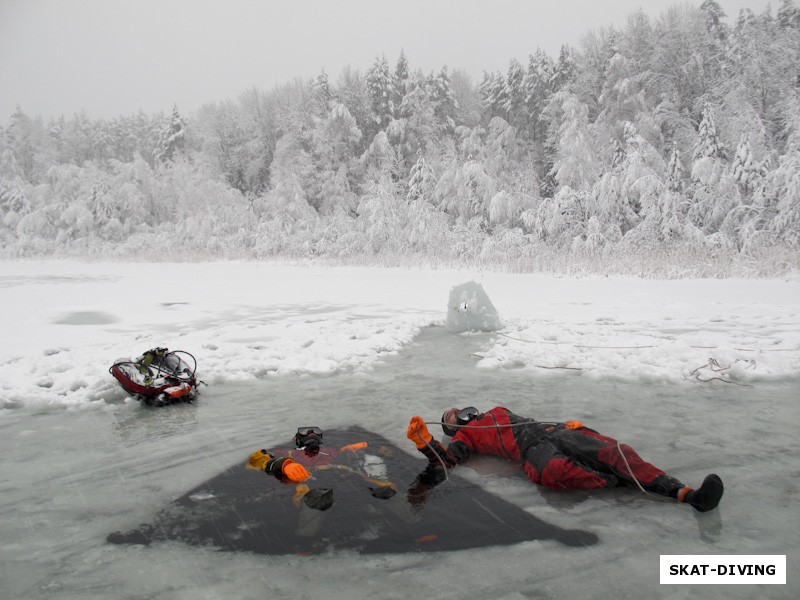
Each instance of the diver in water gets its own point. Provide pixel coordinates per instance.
(296, 465)
(561, 456)
(286, 468)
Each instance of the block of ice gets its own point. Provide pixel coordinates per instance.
(469, 309)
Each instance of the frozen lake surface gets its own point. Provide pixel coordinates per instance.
(285, 345)
(72, 476)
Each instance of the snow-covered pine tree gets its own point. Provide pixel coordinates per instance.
(643, 185)
(538, 84)
(493, 94)
(675, 176)
(627, 201)
(334, 142)
(473, 189)
(378, 159)
(323, 91)
(506, 208)
(20, 140)
(788, 15)
(715, 20)
(783, 190)
(145, 131)
(225, 145)
(560, 220)
(418, 126)
(598, 50)
(788, 19)
(419, 180)
(292, 189)
(715, 191)
(620, 100)
(351, 90)
(444, 101)
(336, 136)
(500, 147)
(708, 143)
(13, 201)
(577, 159)
(673, 203)
(564, 69)
(744, 169)
(619, 155)
(380, 84)
(401, 78)
(515, 95)
(172, 138)
(335, 193)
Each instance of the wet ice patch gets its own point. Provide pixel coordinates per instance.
(202, 496)
(85, 317)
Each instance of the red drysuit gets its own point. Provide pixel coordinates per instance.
(557, 455)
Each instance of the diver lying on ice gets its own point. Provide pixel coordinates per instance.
(561, 456)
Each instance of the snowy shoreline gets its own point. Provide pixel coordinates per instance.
(65, 322)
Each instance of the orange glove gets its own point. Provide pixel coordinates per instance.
(354, 447)
(418, 432)
(278, 466)
(573, 425)
(259, 460)
(294, 471)
(301, 490)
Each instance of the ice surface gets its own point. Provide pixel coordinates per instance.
(284, 346)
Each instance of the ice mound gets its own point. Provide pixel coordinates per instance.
(469, 309)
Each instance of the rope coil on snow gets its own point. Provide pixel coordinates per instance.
(716, 368)
(712, 364)
(638, 347)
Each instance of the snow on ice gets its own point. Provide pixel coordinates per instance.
(64, 323)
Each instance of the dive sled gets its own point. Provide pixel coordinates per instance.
(158, 376)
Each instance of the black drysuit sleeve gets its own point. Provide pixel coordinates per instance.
(455, 453)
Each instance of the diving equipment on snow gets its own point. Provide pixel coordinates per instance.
(158, 376)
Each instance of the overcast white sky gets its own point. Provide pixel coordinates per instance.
(114, 57)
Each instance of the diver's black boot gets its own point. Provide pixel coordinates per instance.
(706, 497)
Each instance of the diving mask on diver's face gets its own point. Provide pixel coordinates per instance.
(308, 439)
(463, 417)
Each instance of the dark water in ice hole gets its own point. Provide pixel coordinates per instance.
(70, 477)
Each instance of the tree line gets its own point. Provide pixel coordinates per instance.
(664, 146)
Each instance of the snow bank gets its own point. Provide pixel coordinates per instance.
(736, 331)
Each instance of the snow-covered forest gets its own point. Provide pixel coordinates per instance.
(665, 146)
